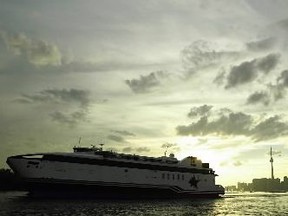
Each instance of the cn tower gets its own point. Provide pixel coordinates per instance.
(271, 161)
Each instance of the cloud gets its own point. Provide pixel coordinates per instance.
(248, 71)
(283, 79)
(243, 73)
(37, 52)
(199, 111)
(270, 128)
(236, 124)
(123, 133)
(75, 102)
(57, 96)
(201, 54)
(139, 149)
(267, 63)
(261, 45)
(273, 93)
(277, 91)
(127, 149)
(116, 138)
(259, 97)
(84, 66)
(25, 55)
(142, 149)
(219, 79)
(232, 124)
(237, 163)
(145, 83)
(71, 119)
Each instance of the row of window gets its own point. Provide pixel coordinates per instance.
(169, 176)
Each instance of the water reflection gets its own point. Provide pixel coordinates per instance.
(241, 204)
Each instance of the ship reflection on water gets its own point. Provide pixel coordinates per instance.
(15, 203)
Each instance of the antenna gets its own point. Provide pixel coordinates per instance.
(167, 146)
(79, 141)
(101, 144)
(271, 161)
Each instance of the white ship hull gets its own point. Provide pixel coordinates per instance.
(70, 174)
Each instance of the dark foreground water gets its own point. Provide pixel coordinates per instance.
(17, 203)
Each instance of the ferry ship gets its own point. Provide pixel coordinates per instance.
(91, 171)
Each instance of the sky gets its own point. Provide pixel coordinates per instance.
(205, 78)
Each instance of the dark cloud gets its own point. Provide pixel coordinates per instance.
(273, 93)
(123, 133)
(139, 149)
(277, 91)
(248, 71)
(58, 95)
(243, 73)
(75, 102)
(116, 138)
(201, 54)
(71, 119)
(145, 83)
(142, 149)
(199, 111)
(280, 27)
(261, 45)
(127, 149)
(283, 79)
(37, 52)
(234, 124)
(259, 97)
(219, 79)
(270, 128)
(267, 63)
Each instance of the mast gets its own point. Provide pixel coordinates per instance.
(271, 161)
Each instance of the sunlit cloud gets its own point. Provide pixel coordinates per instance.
(37, 52)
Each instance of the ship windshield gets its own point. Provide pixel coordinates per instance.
(38, 156)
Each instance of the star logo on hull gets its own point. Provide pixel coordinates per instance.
(194, 182)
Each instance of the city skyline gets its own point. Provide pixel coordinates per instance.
(205, 78)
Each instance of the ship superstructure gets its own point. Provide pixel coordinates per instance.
(93, 171)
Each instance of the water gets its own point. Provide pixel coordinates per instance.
(17, 204)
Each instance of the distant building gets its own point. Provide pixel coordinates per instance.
(284, 184)
(266, 185)
(261, 185)
(231, 188)
(244, 186)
